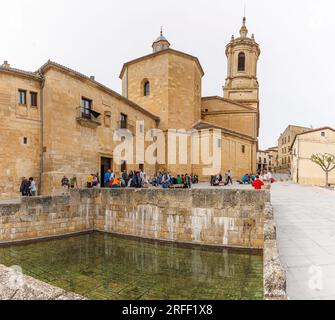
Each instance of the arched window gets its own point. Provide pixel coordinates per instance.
(146, 88)
(241, 61)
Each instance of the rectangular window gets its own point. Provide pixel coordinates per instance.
(123, 121)
(33, 99)
(289, 139)
(86, 106)
(22, 97)
(25, 140)
(86, 103)
(243, 149)
(219, 143)
(323, 134)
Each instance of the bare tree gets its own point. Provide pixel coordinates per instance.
(326, 162)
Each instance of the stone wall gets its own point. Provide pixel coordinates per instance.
(232, 218)
(44, 217)
(210, 217)
(274, 273)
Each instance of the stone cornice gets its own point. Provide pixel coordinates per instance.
(229, 101)
(207, 125)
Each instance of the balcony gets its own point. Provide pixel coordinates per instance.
(88, 117)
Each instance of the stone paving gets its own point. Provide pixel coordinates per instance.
(305, 218)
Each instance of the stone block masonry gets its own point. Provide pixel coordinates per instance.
(227, 218)
(16, 286)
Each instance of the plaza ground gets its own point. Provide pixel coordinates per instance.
(305, 219)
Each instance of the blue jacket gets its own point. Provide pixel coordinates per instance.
(107, 176)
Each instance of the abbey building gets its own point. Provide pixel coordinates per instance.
(57, 121)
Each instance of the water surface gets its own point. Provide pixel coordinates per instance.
(101, 266)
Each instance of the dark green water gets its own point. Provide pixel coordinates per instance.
(101, 266)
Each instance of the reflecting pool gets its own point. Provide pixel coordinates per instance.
(101, 266)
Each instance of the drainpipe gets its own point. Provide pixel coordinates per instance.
(41, 137)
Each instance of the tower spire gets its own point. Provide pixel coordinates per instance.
(244, 30)
(161, 31)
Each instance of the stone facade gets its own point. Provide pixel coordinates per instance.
(19, 130)
(319, 141)
(262, 161)
(175, 82)
(57, 121)
(225, 218)
(284, 147)
(273, 158)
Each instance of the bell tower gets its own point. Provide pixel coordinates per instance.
(241, 84)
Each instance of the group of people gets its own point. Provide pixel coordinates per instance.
(68, 184)
(28, 187)
(166, 180)
(218, 180)
(258, 181)
(133, 179)
(264, 178)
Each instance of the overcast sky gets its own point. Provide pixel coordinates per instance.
(296, 68)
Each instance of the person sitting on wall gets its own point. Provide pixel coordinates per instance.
(65, 184)
(166, 181)
(89, 181)
(125, 177)
(95, 181)
(136, 182)
(213, 179)
(258, 183)
(116, 183)
(73, 182)
(146, 183)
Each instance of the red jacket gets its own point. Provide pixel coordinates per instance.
(257, 184)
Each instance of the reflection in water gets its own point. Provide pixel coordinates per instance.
(101, 266)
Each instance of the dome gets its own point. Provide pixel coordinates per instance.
(161, 38)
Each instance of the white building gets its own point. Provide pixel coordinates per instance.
(304, 170)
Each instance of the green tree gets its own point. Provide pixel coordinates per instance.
(326, 162)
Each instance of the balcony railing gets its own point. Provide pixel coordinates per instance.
(88, 116)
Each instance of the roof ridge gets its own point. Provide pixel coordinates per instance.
(102, 86)
(159, 53)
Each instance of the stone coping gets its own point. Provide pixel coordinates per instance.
(274, 273)
(16, 286)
